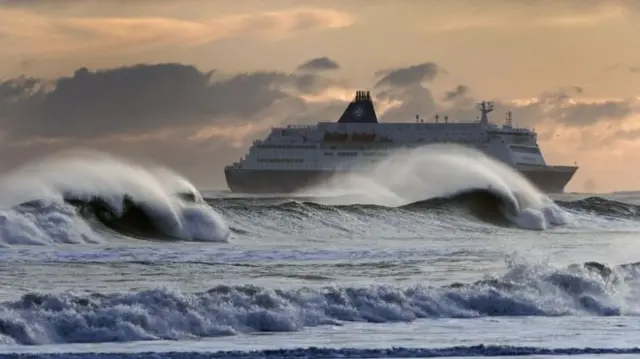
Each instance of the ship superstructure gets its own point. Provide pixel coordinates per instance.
(293, 157)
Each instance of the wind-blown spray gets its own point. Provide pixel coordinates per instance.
(408, 176)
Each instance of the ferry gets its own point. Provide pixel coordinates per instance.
(293, 157)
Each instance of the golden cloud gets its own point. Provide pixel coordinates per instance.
(236, 134)
(27, 32)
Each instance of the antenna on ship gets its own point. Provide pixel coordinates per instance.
(508, 121)
(485, 107)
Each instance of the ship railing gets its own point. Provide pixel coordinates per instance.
(515, 129)
(299, 127)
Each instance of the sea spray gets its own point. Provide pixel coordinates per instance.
(411, 175)
(86, 175)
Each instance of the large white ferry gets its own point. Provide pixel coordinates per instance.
(294, 157)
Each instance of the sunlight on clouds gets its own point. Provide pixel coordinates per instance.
(237, 135)
(26, 32)
(159, 135)
(329, 94)
(345, 94)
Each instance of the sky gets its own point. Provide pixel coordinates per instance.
(190, 84)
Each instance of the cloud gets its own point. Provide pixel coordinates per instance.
(28, 32)
(129, 102)
(408, 76)
(561, 108)
(192, 119)
(132, 100)
(172, 113)
(319, 64)
(458, 92)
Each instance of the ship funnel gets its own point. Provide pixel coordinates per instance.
(360, 110)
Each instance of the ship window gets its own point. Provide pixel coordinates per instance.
(281, 160)
(524, 149)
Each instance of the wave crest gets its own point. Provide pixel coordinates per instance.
(226, 310)
(123, 196)
(445, 170)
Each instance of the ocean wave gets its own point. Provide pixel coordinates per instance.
(35, 319)
(73, 196)
(439, 171)
(601, 206)
(86, 197)
(479, 205)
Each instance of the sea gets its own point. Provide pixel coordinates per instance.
(437, 252)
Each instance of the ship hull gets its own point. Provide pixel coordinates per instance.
(550, 179)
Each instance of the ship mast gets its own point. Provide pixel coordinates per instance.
(485, 107)
(509, 119)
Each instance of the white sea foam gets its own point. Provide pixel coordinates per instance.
(525, 290)
(86, 175)
(408, 176)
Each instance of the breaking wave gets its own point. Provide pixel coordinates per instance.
(525, 290)
(74, 197)
(86, 197)
(463, 211)
(445, 170)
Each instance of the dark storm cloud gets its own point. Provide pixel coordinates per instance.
(140, 98)
(406, 85)
(559, 106)
(408, 76)
(585, 114)
(319, 64)
(459, 91)
(555, 107)
(100, 108)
